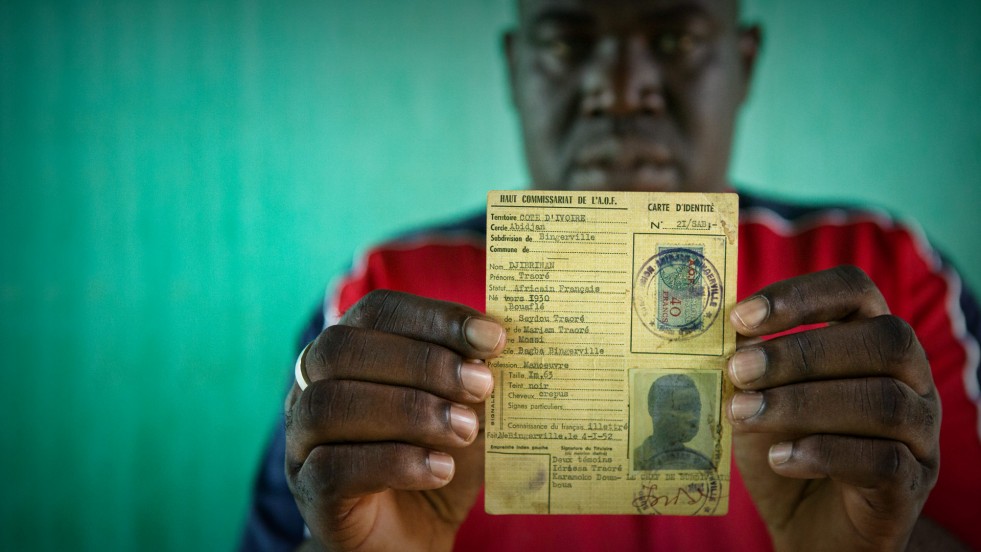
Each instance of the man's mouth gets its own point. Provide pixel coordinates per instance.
(624, 164)
(644, 176)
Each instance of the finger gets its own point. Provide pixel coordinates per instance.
(332, 411)
(867, 407)
(454, 326)
(881, 346)
(341, 471)
(744, 342)
(866, 463)
(841, 293)
(349, 353)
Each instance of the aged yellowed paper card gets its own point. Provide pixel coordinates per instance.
(608, 396)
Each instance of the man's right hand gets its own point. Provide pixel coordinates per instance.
(384, 448)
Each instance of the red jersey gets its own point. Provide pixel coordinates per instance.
(777, 241)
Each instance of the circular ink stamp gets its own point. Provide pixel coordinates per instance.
(690, 493)
(678, 293)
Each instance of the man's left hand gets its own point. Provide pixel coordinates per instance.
(835, 429)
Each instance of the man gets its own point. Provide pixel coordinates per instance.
(676, 410)
(836, 429)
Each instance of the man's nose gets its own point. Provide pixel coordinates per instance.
(623, 79)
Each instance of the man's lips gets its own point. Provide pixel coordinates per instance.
(627, 164)
(645, 176)
(623, 153)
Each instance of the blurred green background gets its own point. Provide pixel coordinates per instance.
(181, 178)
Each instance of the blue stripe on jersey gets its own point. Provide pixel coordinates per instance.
(972, 322)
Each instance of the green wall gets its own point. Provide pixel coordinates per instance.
(181, 178)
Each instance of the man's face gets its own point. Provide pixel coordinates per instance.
(629, 94)
(675, 408)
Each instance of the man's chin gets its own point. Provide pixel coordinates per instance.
(647, 178)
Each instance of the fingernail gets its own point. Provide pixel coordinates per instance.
(753, 312)
(463, 421)
(476, 378)
(441, 464)
(747, 365)
(780, 453)
(746, 405)
(483, 335)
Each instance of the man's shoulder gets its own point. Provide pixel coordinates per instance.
(467, 230)
(786, 216)
(443, 261)
(415, 255)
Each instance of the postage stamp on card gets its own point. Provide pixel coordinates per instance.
(678, 293)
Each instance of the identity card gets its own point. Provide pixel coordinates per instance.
(608, 396)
